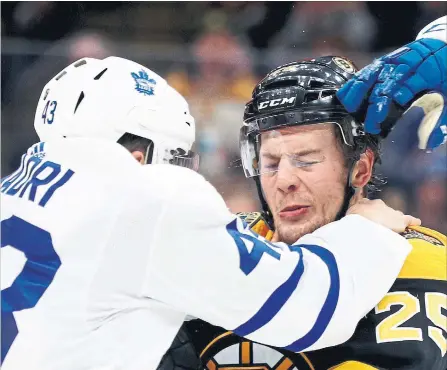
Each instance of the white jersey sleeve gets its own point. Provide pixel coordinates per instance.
(204, 261)
(435, 30)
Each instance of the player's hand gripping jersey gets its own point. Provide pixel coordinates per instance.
(102, 259)
(406, 330)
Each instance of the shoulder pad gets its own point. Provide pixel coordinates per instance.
(426, 234)
(428, 258)
(257, 223)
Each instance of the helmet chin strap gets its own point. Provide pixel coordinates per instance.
(265, 208)
(350, 191)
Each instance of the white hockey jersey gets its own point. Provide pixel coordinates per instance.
(103, 258)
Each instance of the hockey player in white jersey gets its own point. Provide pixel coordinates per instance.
(102, 258)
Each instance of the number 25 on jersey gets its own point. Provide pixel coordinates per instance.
(391, 328)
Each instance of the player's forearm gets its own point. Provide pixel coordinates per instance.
(369, 258)
(349, 266)
(307, 296)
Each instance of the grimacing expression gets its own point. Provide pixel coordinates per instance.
(303, 178)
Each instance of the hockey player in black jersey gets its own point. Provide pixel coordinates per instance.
(295, 114)
(290, 124)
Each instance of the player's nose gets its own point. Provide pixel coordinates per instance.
(287, 177)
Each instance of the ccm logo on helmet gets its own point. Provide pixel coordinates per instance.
(276, 102)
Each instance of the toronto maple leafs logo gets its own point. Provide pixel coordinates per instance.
(143, 83)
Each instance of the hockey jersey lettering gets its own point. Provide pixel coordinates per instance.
(33, 176)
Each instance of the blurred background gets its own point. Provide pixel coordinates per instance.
(214, 53)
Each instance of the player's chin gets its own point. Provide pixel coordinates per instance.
(290, 232)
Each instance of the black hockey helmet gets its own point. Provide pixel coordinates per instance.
(298, 93)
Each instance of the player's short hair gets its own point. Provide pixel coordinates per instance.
(135, 143)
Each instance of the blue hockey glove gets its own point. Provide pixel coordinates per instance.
(380, 92)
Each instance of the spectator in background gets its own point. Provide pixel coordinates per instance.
(431, 198)
(430, 189)
(223, 71)
(217, 92)
(224, 64)
(89, 44)
(325, 28)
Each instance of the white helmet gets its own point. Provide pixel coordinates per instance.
(107, 98)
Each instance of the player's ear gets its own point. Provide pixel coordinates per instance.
(139, 156)
(362, 170)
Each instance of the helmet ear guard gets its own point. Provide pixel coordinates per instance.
(183, 158)
(161, 151)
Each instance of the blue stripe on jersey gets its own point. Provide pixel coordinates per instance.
(328, 309)
(281, 295)
(38, 272)
(274, 303)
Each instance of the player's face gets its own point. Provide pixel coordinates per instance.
(306, 190)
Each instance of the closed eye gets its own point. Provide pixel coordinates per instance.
(268, 162)
(300, 163)
(269, 166)
(300, 160)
